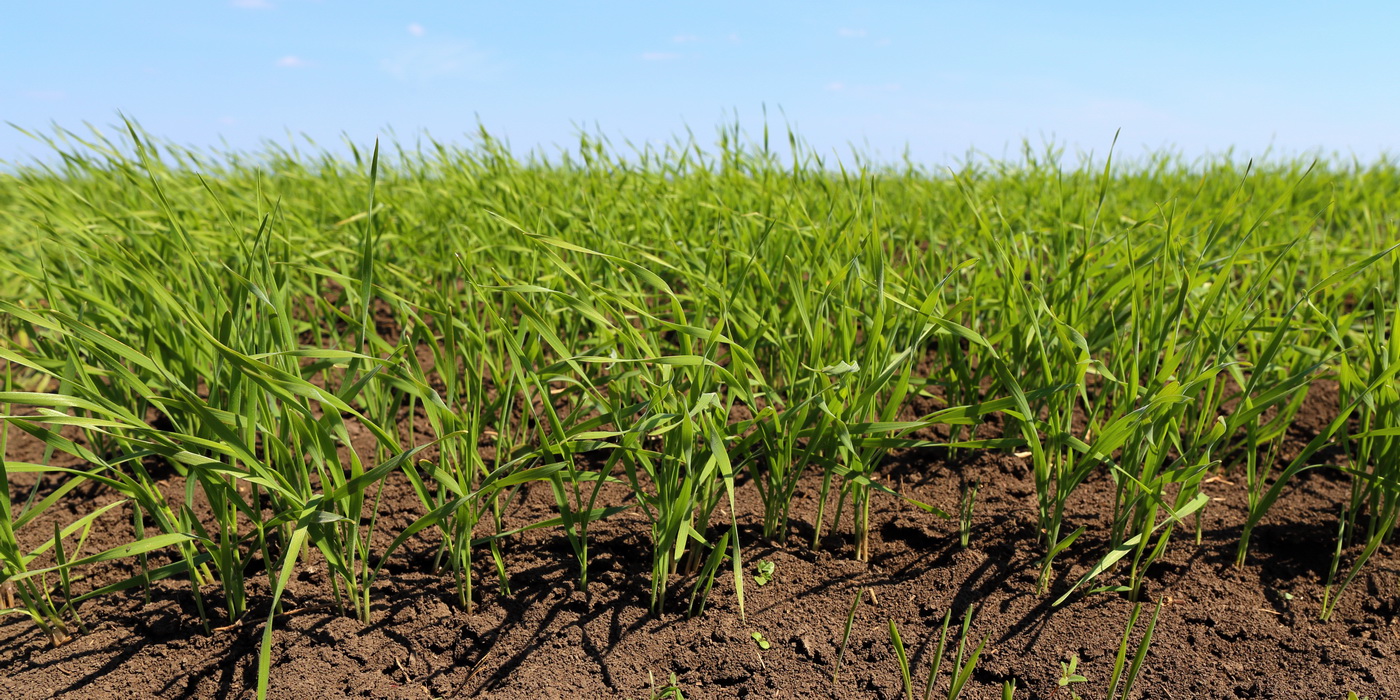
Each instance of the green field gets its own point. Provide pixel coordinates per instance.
(649, 330)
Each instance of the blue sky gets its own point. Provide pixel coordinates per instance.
(937, 78)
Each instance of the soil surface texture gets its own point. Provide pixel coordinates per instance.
(1223, 632)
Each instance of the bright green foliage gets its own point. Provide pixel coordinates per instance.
(960, 671)
(672, 690)
(1119, 676)
(764, 571)
(653, 332)
(966, 508)
(1069, 676)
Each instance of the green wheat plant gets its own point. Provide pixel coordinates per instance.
(245, 354)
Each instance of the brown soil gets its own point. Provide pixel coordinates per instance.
(1223, 633)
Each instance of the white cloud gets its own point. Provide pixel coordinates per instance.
(416, 29)
(684, 39)
(660, 56)
(428, 59)
(251, 4)
(292, 62)
(851, 33)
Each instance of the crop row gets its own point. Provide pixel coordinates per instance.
(671, 323)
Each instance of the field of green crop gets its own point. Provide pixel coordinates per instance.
(670, 323)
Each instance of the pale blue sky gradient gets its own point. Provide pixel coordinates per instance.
(937, 78)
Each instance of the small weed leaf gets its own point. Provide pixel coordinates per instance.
(764, 572)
